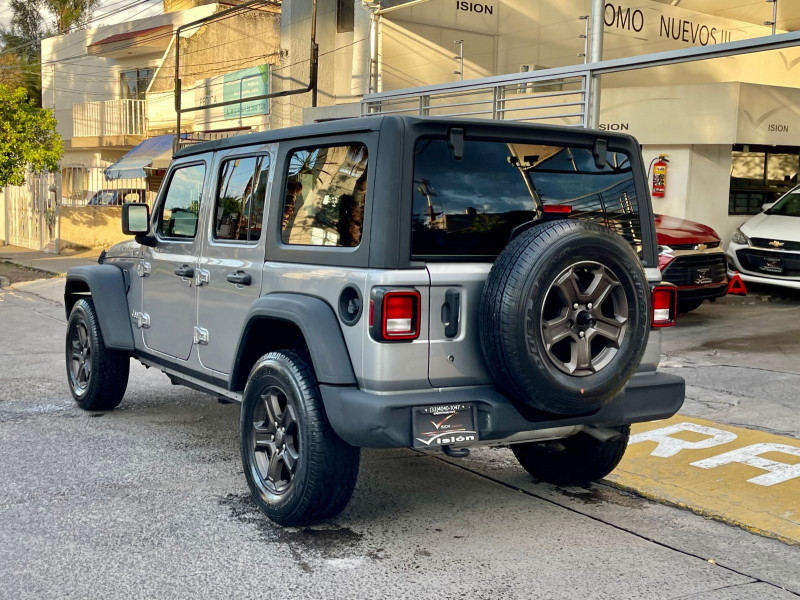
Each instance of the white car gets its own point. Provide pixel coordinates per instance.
(766, 249)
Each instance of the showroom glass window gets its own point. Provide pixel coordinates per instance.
(239, 208)
(761, 174)
(324, 196)
(470, 207)
(181, 208)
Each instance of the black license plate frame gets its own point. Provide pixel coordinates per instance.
(440, 425)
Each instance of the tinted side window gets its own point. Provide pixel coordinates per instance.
(471, 207)
(325, 192)
(182, 203)
(240, 199)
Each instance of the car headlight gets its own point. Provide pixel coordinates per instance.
(739, 238)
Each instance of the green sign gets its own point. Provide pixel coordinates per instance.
(247, 83)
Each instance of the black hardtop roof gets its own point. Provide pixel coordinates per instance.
(374, 123)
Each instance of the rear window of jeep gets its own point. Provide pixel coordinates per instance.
(469, 207)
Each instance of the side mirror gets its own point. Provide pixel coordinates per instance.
(767, 205)
(135, 218)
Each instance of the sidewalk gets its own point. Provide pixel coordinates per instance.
(54, 263)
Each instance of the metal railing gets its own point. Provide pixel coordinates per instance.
(83, 185)
(561, 100)
(559, 95)
(109, 117)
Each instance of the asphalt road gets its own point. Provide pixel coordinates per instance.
(149, 501)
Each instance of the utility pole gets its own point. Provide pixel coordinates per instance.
(460, 59)
(774, 21)
(374, 72)
(596, 55)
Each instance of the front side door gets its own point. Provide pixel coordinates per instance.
(168, 290)
(232, 258)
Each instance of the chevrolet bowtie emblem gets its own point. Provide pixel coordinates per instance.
(700, 247)
(776, 244)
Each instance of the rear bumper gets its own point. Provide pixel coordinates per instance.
(384, 420)
(704, 292)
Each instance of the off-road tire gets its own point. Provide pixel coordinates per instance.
(512, 310)
(576, 460)
(685, 306)
(326, 468)
(109, 369)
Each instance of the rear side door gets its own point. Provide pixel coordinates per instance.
(232, 257)
(168, 290)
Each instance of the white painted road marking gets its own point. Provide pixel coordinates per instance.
(670, 446)
(750, 455)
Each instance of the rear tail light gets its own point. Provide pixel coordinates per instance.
(395, 314)
(557, 209)
(665, 305)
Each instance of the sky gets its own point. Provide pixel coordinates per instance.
(132, 9)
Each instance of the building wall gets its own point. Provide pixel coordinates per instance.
(546, 34)
(71, 76)
(343, 59)
(3, 240)
(249, 39)
(674, 202)
(90, 226)
(709, 187)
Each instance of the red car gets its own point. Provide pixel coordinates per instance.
(690, 255)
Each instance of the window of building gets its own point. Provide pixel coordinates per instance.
(240, 199)
(470, 207)
(133, 84)
(182, 203)
(345, 16)
(325, 191)
(760, 175)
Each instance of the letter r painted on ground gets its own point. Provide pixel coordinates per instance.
(750, 455)
(670, 446)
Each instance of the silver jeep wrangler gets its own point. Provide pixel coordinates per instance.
(391, 282)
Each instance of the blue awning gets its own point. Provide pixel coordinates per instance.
(131, 166)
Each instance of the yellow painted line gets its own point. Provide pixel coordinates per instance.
(743, 477)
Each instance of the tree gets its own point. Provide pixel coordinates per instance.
(10, 75)
(21, 43)
(28, 137)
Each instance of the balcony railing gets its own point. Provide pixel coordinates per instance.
(108, 117)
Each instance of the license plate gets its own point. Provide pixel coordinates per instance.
(772, 265)
(702, 276)
(444, 425)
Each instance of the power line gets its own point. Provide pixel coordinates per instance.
(92, 20)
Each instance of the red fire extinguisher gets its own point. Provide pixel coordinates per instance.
(660, 176)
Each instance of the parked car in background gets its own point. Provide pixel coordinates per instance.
(117, 197)
(766, 248)
(690, 255)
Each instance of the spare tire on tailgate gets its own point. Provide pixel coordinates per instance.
(564, 317)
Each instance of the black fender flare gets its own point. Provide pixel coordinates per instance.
(320, 327)
(109, 290)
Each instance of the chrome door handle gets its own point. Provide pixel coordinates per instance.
(239, 278)
(184, 271)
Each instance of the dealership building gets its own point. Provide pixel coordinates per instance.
(729, 127)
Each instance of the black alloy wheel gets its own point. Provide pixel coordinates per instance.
(275, 439)
(584, 318)
(97, 376)
(80, 360)
(298, 470)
